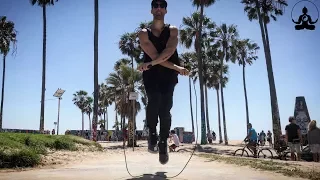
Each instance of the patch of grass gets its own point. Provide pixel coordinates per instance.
(24, 150)
(278, 167)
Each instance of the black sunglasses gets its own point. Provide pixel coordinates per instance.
(161, 5)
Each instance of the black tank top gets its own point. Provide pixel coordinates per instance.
(158, 73)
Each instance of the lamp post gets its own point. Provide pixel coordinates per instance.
(58, 94)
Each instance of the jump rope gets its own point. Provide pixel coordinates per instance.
(195, 146)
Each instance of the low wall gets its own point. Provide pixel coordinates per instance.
(24, 131)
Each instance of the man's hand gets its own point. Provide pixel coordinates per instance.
(144, 66)
(183, 71)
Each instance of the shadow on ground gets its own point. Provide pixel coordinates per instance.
(156, 176)
(207, 149)
(115, 147)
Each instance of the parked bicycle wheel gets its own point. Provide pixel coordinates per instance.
(265, 153)
(241, 152)
(287, 156)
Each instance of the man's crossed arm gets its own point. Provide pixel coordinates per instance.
(152, 52)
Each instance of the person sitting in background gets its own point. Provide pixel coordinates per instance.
(175, 138)
(314, 140)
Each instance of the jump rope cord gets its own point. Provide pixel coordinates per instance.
(195, 146)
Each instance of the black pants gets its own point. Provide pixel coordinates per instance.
(160, 101)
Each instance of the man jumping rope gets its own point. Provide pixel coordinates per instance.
(160, 75)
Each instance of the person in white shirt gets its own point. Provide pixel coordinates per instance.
(175, 138)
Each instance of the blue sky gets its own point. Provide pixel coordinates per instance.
(70, 62)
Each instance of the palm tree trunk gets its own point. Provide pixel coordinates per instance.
(207, 107)
(106, 122)
(122, 119)
(82, 132)
(115, 109)
(194, 88)
(200, 68)
(219, 119)
(43, 88)
(131, 121)
(273, 95)
(90, 127)
(2, 89)
(245, 93)
(222, 102)
(191, 110)
(276, 120)
(96, 61)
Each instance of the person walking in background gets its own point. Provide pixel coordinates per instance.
(293, 138)
(262, 138)
(314, 140)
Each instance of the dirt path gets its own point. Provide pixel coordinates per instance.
(111, 165)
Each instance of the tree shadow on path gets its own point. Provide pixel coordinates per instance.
(207, 149)
(156, 176)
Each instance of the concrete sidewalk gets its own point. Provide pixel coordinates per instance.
(143, 164)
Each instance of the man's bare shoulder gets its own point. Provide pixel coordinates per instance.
(143, 33)
(173, 30)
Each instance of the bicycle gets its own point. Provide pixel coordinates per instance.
(284, 153)
(260, 151)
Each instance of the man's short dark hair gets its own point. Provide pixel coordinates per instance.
(160, 1)
(291, 118)
(173, 131)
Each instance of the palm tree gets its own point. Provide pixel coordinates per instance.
(226, 35)
(244, 51)
(262, 10)
(7, 38)
(88, 109)
(210, 60)
(138, 55)
(214, 80)
(188, 59)
(43, 4)
(96, 70)
(216, 86)
(120, 82)
(104, 102)
(191, 28)
(129, 45)
(79, 99)
(117, 124)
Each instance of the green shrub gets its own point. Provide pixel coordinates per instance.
(18, 158)
(62, 144)
(24, 150)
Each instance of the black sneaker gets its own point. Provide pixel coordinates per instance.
(152, 143)
(163, 151)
